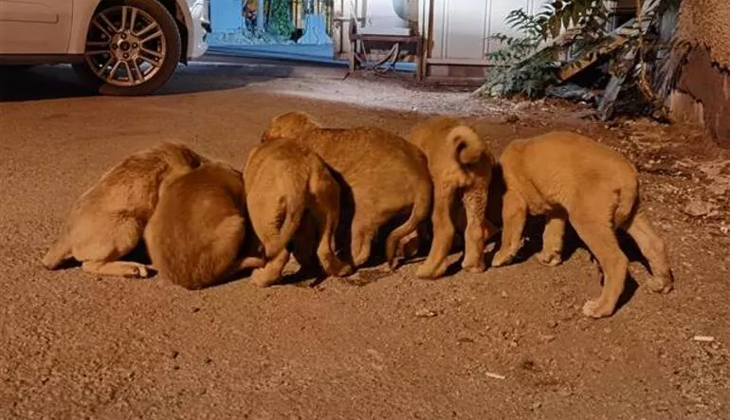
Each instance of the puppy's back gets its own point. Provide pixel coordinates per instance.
(565, 161)
(198, 226)
(362, 149)
(132, 185)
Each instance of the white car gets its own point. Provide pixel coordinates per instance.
(123, 47)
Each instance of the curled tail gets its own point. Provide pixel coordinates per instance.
(469, 148)
(59, 252)
(292, 219)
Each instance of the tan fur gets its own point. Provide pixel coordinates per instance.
(285, 182)
(195, 235)
(108, 220)
(387, 176)
(569, 177)
(460, 164)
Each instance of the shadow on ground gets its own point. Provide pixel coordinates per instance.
(55, 82)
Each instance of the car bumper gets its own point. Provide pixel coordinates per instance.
(198, 43)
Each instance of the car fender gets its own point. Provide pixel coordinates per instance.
(83, 10)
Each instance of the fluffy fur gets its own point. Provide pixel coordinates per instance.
(195, 235)
(569, 177)
(387, 177)
(460, 164)
(108, 220)
(284, 182)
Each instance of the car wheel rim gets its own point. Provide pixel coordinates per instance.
(125, 46)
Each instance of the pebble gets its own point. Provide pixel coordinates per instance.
(697, 208)
(425, 313)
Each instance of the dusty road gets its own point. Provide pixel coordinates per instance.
(75, 346)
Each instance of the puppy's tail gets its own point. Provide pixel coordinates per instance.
(628, 202)
(59, 252)
(468, 147)
(420, 212)
(292, 214)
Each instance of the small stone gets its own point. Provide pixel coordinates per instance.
(174, 354)
(697, 208)
(565, 392)
(536, 406)
(503, 294)
(425, 313)
(547, 337)
(553, 323)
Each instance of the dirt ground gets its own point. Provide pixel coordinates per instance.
(510, 343)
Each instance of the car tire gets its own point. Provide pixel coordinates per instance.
(93, 71)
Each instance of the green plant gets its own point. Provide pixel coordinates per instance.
(588, 15)
(513, 73)
(280, 21)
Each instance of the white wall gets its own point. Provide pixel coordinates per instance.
(461, 28)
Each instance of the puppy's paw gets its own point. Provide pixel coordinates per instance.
(660, 284)
(340, 269)
(501, 258)
(550, 259)
(137, 272)
(474, 266)
(594, 309)
(261, 278)
(143, 272)
(409, 249)
(394, 263)
(427, 272)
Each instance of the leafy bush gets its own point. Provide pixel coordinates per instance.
(513, 73)
(279, 20)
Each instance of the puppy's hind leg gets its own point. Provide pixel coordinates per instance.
(230, 234)
(443, 234)
(363, 234)
(275, 240)
(514, 215)
(270, 274)
(419, 213)
(475, 206)
(101, 250)
(326, 209)
(552, 240)
(116, 268)
(653, 248)
(599, 236)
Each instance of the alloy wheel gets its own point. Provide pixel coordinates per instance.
(125, 46)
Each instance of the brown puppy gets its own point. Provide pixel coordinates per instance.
(283, 181)
(387, 176)
(196, 233)
(108, 220)
(569, 177)
(460, 164)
